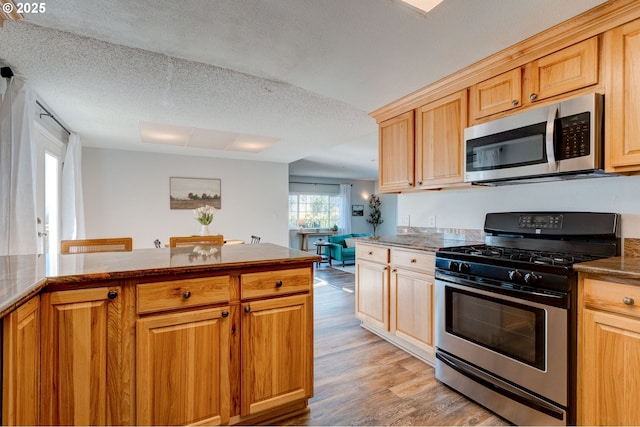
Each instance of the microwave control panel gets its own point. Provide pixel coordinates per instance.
(573, 136)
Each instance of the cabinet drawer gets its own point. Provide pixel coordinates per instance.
(175, 294)
(611, 296)
(415, 260)
(269, 283)
(372, 253)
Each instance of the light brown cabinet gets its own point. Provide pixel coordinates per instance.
(622, 133)
(21, 365)
(81, 359)
(608, 353)
(572, 68)
(396, 153)
(411, 298)
(277, 352)
(439, 152)
(182, 368)
(372, 285)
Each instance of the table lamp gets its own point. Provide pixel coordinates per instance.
(301, 223)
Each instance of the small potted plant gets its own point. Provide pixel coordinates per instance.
(204, 215)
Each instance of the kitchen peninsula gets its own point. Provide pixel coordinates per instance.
(174, 336)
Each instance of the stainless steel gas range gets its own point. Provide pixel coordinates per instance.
(506, 311)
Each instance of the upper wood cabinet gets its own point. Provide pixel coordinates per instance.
(566, 70)
(396, 151)
(82, 357)
(440, 141)
(21, 365)
(622, 132)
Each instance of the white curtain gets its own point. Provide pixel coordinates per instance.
(18, 233)
(72, 210)
(345, 209)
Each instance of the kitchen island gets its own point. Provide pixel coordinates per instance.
(217, 335)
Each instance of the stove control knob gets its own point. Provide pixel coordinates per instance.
(453, 266)
(515, 275)
(531, 278)
(464, 268)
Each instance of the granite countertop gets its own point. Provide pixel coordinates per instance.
(621, 266)
(422, 241)
(22, 276)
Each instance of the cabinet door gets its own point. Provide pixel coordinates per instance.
(412, 308)
(610, 351)
(497, 94)
(569, 69)
(182, 368)
(21, 365)
(277, 352)
(440, 141)
(81, 357)
(372, 294)
(622, 131)
(396, 151)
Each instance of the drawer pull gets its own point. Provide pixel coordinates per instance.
(247, 309)
(186, 294)
(370, 252)
(628, 300)
(413, 261)
(112, 294)
(514, 102)
(225, 313)
(279, 284)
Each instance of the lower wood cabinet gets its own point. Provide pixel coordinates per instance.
(394, 296)
(81, 357)
(608, 353)
(277, 352)
(182, 368)
(21, 365)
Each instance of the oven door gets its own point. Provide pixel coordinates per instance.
(520, 341)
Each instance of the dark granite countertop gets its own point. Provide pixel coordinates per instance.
(626, 267)
(421, 241)
(22, 276)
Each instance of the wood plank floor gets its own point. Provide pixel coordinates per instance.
(361, 379)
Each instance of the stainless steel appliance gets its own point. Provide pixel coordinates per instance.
(558, 141)
(505, 311)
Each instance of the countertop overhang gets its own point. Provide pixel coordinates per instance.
(22, 276)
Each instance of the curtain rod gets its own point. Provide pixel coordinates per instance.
(315, 183)
(47, 113)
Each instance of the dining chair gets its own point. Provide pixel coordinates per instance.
(255, 239)
(157, 243)
(215, 240)
(119, 244)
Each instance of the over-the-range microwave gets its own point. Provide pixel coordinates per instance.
(558, 141)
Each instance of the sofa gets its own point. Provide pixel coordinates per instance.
(342, 248)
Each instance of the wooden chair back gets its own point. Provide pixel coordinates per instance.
(119, 244)
(255, 239)
(215, 240)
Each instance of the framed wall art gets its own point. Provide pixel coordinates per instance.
(190, 193)
(357, 210)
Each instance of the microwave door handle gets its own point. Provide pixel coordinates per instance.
(551, 155)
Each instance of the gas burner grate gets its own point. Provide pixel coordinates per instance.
(523, 255)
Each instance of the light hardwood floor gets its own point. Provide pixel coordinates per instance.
(361, 379)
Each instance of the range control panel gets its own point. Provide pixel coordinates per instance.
(552, 221)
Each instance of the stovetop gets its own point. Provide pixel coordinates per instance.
(520, 255)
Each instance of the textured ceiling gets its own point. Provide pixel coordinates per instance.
(304, 73)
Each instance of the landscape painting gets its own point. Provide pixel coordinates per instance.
(190, 193)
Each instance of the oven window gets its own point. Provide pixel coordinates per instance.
(519, 147)
(515, 330)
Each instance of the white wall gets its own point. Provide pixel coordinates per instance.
(466, 208)
(127, 194)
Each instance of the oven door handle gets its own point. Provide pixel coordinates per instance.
(549, 142)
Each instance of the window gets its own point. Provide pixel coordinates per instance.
(314, 210)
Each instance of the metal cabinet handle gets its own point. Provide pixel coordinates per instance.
(247, 309)
(225, 313)
(533, 97)
(186, 294)
(514, 102)
(112, 294)
(279, 284)
(628, 300)
(413, 261)
(370, 252)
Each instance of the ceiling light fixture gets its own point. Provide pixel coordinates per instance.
(423, 5)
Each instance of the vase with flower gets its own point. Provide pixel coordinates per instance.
(204, 215)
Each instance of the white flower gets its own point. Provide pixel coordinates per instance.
(204, 214)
